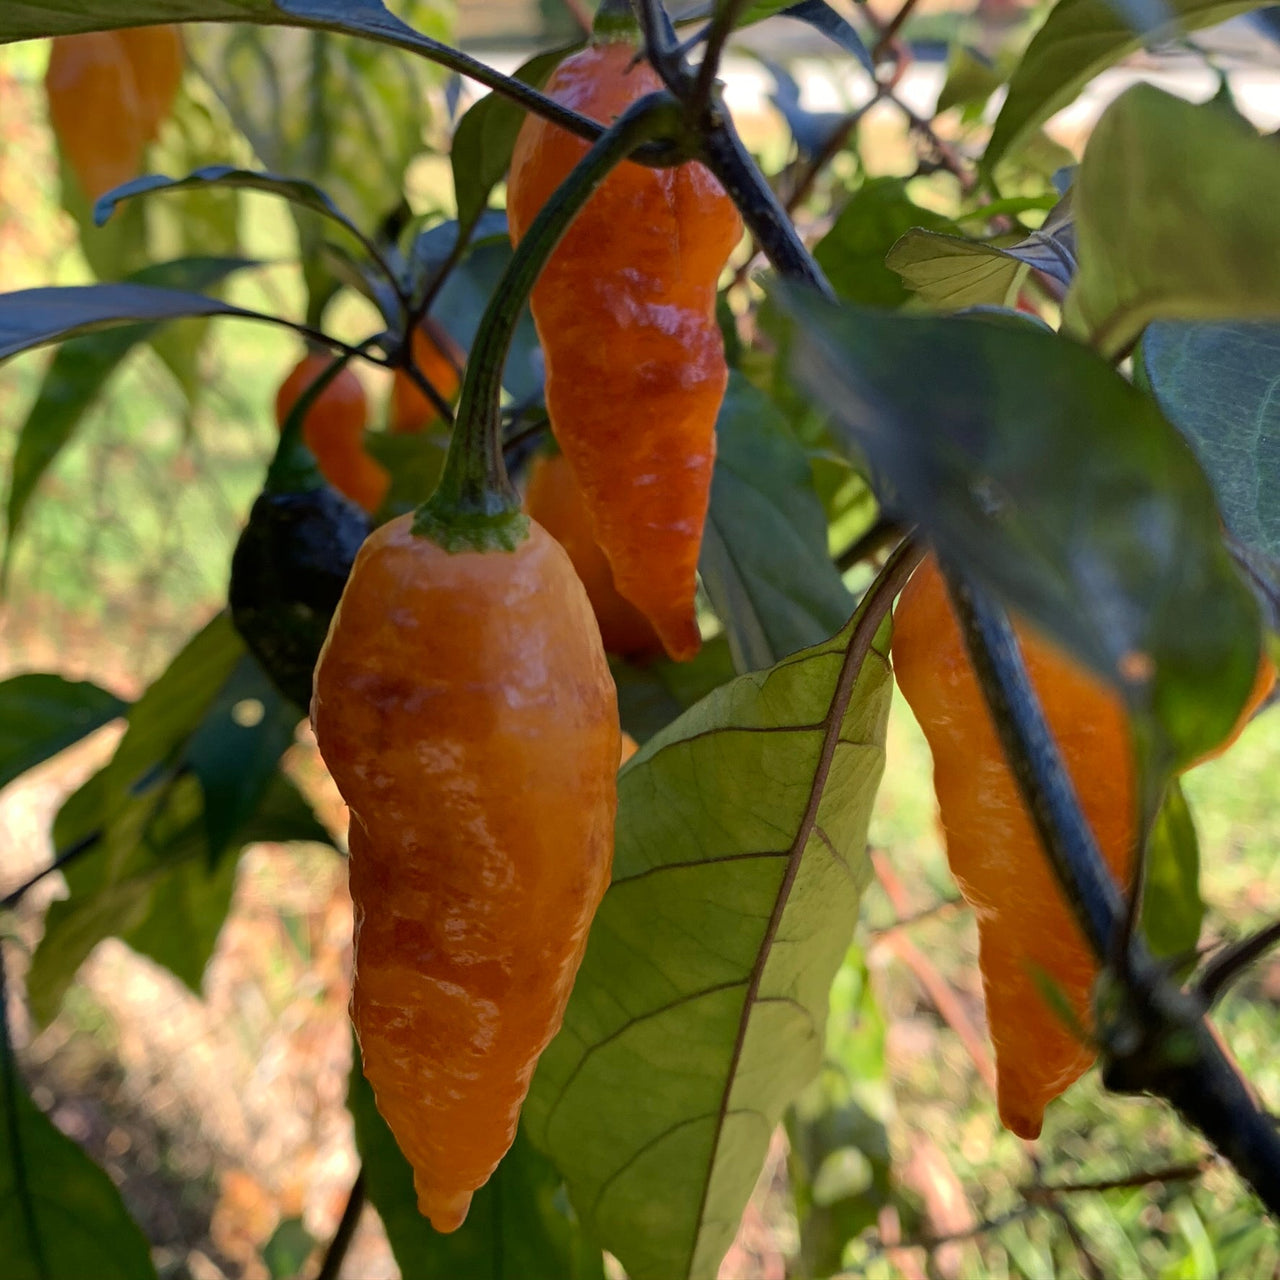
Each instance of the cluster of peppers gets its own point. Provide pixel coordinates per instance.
(463, 703)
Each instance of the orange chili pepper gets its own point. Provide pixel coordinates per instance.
(625, 309)
(156, 55)
(334, 429)
(554, 500)
(1024, 926)
(465, 709)
(440, 362)
(95, 110)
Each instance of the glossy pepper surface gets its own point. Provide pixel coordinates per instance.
(440, 362)
(334, 429)
(465, 710)
(554, 500)
(1024, 926)
(625, 310)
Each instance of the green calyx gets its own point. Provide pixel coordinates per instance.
(456, 531)
(615, 20)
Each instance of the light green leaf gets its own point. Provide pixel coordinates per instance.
(1079, 39)
(1174, 216)
(1172, 909)
(951, 272)
(700, 1009)
(517, 1227)
(1218, 384)
(42, 714)
(60, 1215)
(764, 558)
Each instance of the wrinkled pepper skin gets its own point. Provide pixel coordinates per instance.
(334, 429)
(440, 362)
(465, 710)
(287, 575)
(95, 110)
(1024, 925)
(554, 500)
(625, 310)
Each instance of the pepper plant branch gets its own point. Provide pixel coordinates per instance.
(1227, 964)
(63, 858)
(723, 21)
(336, 1254)
(475, 477)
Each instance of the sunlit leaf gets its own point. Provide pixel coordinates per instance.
(700, 1009)
(1080, 38)
(1209, 248)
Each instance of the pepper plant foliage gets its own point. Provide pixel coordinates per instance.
(1081, 477)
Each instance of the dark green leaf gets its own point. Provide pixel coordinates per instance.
(764, 559)
(822, 17)
(1080, 38)
(42, 714)
(296, 190)
(236, 750)
(149, 877)
(516, 1229)
(415, 461)
(1172, 909)
(462, 301)
(1055, 483)
(701, 1005)
(60, 1215)
(79, 371)
(650, 697)
(36, 317)
(485, 136)
(853, 252)
(1217, 384)
(1210, 249)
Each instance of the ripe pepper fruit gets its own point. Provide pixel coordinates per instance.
(1024, 926)
(554, 500)
(334, 429)
(625, 310)
(95, 110)
(156, 56)
(465, 709)
(440, 362)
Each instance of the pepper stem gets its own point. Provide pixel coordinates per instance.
(475, 507)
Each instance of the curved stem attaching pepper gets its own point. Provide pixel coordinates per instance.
(475, 505)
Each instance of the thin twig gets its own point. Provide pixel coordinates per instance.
(889, 32)
(881, 536)
(722, 24)
(1228, 963)
(335, 1255)
(63, 859)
